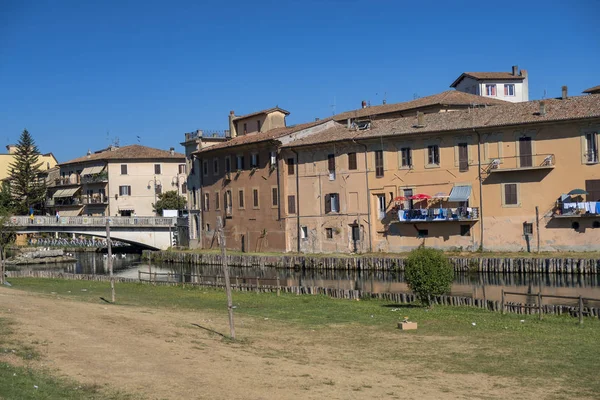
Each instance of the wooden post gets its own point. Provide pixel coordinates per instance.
(537, 227)
(109, 260)
(257, 284)
(540, 305)
(226, 274)
(580, 310)
(139, 275)
(502, 301)
(278, 286)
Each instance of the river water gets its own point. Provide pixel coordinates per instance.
(477, 285)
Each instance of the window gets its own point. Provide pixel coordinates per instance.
(245, 129)
(332, 203)
(254, 160)
(227, 203)
(206, 202)
(433, 154)
(509, 89)
(465, 230)
(194, 194)
(217, 200)
(272, 159)
(525, 152)
(125, 190)
(157, 188)
(510, 194)
(290, 164)
(274, 197)
(331, 162)
(182, 168)
(591, 142)
(183, 188)
(157, 169)
(227, 164)
(527, 229)
(207, 227)
(255, 198)
(291, 204)
(239, 162)
(123, 169)
(490, 90)
(379, 163)
(422, 233)
(304, 232)
(215, 166)
(258, 126)
(329, 233)
(192, 167)
(352, 161)
(463, 157)
(205, 167)
(381, 206)
(592, 186)
(241, 198)
(406, 157)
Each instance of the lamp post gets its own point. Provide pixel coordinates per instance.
(153, 183)
(176, 181)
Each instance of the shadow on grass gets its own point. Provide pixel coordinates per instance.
(402, 306)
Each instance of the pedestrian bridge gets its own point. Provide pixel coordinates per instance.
(148, 232)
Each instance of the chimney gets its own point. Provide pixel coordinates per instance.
(89, 153)
(349, 123)
(232, 130)
(523, 73)
(172, 151)
(515, 70)
(542, 108)
(420, 120)
(384, 102)
(363, 104)
(316, 119)
(565, 92)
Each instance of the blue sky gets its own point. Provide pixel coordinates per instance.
(78, 74)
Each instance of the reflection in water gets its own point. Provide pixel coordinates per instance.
(488, 285)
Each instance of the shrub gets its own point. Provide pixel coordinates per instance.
(428, 273)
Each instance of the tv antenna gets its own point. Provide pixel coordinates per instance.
(333, 106)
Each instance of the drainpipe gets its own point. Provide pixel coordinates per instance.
(297, 197)
(480, 189)
(200, 202)
(368, 193)
(278, 187)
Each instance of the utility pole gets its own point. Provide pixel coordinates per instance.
(109, 260)
(226, 274)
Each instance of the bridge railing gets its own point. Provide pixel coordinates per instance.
(91, 221)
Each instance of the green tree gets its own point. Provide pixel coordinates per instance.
(26, 182)
(7, 203)
(169, 201)
(428, 273)
(7, 236)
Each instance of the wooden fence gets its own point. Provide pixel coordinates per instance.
(577, 266)
(398, 298)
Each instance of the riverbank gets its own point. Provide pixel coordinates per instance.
(332, 349)
(559, 265)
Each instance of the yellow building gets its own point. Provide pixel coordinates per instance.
(47, 161)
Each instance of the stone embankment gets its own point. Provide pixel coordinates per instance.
(35, 256)
(461, 264)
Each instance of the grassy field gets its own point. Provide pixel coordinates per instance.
(451, 340)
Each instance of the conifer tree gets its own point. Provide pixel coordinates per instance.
(27, 185)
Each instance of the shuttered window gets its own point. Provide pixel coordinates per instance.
(463, 157)
(592, 186)
(352, 161)
(241, 198)
(510, 194)
(332, 203)
(157, 169)
(217, 201)
(331, 162)
(123, 169)
(433, 154)
(290, 164)
(379, 163)
(291, 204)
(406, 157)
(255, 198)
(274, 197)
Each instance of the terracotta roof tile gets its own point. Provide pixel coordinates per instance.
(267, 111)
(580, 107)
(499, 76)
(595, 89)
(134, 151)
(447, 98)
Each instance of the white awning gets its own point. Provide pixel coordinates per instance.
(126, 208)
(460, 193)
(65, 192)
(92, 170)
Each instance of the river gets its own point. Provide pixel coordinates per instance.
(465, 284)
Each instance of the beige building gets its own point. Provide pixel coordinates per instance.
(118, 181)
(46, 161)
(495, 178)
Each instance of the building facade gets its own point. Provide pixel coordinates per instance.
(508, 86)
(118, 181)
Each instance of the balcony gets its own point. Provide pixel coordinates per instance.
(97, 199)
(522, 163)
(96, 178)
(438, 215)
(580, 209)
(67, 180)
(63, 202)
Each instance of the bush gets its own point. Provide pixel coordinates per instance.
(428, 273)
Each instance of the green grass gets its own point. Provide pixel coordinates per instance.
(24, 382)
(531, 352)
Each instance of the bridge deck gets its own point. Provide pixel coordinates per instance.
(41, 221)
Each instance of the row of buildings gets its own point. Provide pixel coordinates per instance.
(476, 167)
(456, 170)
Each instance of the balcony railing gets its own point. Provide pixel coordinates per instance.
(578, 210)
(521, 163)
(591, 157)
(95, 200)
(439, 214)
(98, 178)
(67, 180)
(63, 202)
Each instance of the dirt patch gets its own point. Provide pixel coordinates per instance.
(160, 354)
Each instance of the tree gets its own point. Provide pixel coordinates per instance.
(169, 201)
(428, 273)
(7, 203)
(7, 236)
(26, 182)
